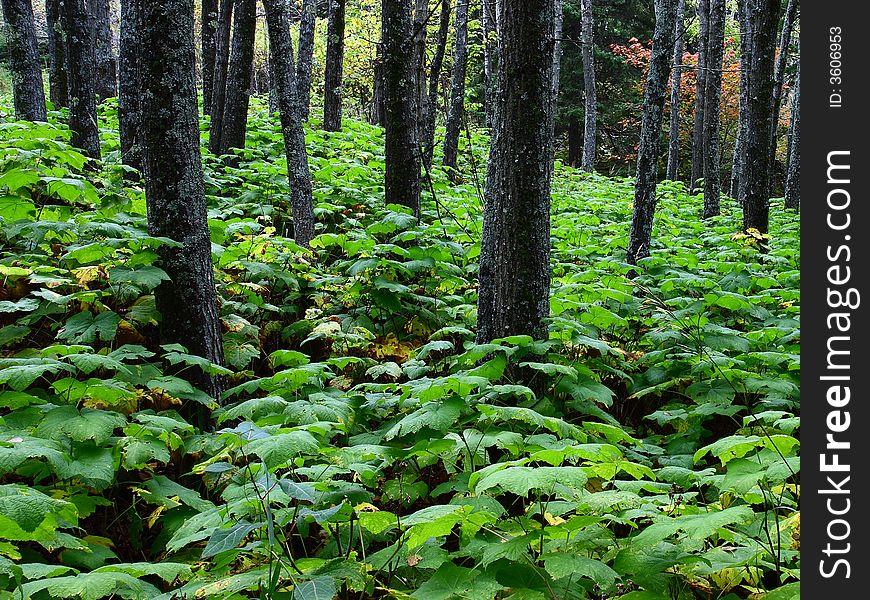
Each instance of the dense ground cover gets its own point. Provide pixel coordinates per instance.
(365, 446)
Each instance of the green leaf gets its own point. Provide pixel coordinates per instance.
(85, 328)
(547, 480)
(451, 582)
(223, 539)
(319, 588)
(80, 426)
(281, 448)
(561, 565)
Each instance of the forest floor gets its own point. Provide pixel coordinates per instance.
(365, 446)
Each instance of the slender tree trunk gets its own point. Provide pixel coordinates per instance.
(739, 161)
(402, 177)
(779, 75)
(700, 99)
(456, 111)
(428, 142)
(651, 131)
(763, 16)
(378, 108)
(106, 64)
(589, 88)
(575, 142)
(29, 97)
(490, 57)
(221, 68)
(793, 171)
(57, 73)
(332, 89)
(712, 96)
(673, 171)
(174, 188)
(209, 49)
(130, 84)
(514, 287)
(304, 66)
(239, 77)
(80, 58)
(421, 20)
(286, 92)
(557, 53)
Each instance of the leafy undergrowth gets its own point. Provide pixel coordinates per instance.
(365, 446)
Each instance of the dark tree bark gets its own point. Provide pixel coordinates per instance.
(29, 96)
(421, 20)
(78, 24)
(402, 177)
(286, 92)
(557, 52)
(673, 169)
(332, 90)
(793, 171)
(514, 287)
(57, 73)
(219, 80)
(700, 100)
(589, 88)
(106, 83)
(456, 111)
(490, 58)
(712, 96)
(763, 16)
(575, 141)
(378, 108)
(307, 27)
(174, 188)
(428, 142)
(779, 74)
(738, 162)
(239, 78)
(130, 84)
(208, 37)
(651, 131)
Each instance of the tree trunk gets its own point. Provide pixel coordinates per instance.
(57, 73)
(779, 75)
(174, 188)
(673, 170)
(307, 27)
(285, 88)
(130, 84)
(589, 88)
(575, 141)
(712, 96)
(219, 81)
(456, 111)
(651, 131)
(700, 100)
(29, 96)
(239, 77)
(402, 177)
(557, 53)
(377, 109)
(209, 49)
(490, 58)
(80, 58)
(763, 16)
(737, 164)
(514, 285)
(421, 20)
(332, 89)
(106, 83)
(793, 172)
(428, 142)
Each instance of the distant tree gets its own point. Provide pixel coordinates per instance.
(489, 9)
(737, 164)
(27, 90)
(557, 51)
(402, 150)
(456, 110)
(78, 24)
(106, 81)
(208, 43)
(701, 73)
(421, 24)
(221, 66)
(514, 285)
(290, 110)
(788, 21)
(57, 73)
(590, 94)
(763, 17)
(673, 168)
(129, 84)
(376, 115)
(650, 136)
(712, 98)
(305, 60)
(428, 141)
(174, 188)
(793, 170)
(239, 76)
(332, 90)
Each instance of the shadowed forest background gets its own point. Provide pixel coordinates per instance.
(426, 299)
